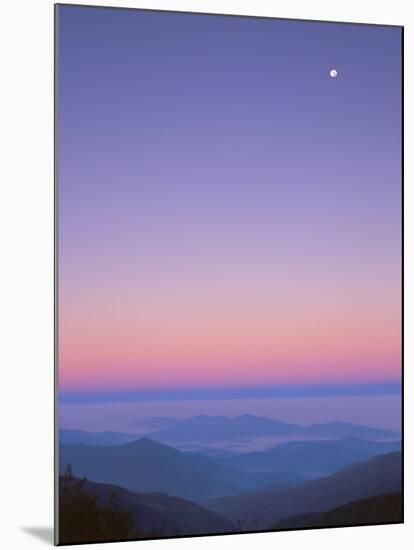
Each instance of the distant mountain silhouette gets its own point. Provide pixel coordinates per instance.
(205, 428)
(157, 515)
(200, 430)
(149, 466)
(346, 429)
(379, 509)
(311, 458)
(379, 475)
(71, 437)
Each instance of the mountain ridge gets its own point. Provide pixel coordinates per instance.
(378, 509)
(145, 465)
(379, 475)
(205, 428)
(311, 458)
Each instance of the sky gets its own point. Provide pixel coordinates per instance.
(229, 215)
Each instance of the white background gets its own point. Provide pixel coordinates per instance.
(26, 273)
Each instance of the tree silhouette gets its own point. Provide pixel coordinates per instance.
(83, 519)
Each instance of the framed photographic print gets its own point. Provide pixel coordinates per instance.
(228, 274)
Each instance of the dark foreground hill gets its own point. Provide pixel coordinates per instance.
(379, 475)
(150, 515)
(378, 509)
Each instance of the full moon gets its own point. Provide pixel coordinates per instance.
(333, 73)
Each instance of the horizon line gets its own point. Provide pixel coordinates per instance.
(210, 394)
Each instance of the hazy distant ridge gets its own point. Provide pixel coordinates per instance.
(205, 428)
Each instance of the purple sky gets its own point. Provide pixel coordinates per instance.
(229, 215)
